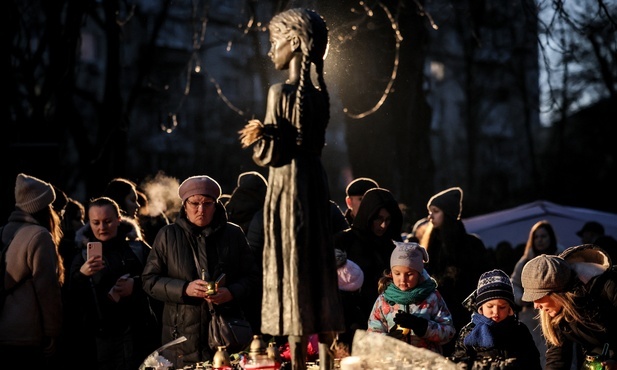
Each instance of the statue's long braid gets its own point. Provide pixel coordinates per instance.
(319, 45)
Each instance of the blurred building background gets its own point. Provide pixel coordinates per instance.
(424, 95)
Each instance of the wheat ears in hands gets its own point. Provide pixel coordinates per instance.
(251, 133)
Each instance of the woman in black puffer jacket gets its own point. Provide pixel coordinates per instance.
(200, 241)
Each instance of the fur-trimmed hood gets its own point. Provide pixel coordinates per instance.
(587, 260)
(128, 228)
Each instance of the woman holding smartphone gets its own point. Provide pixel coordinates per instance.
(116, 317)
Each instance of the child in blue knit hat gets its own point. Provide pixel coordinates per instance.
(495, 335)
(409, 307)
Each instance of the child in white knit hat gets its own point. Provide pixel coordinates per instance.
(409, 307)
(495, 335)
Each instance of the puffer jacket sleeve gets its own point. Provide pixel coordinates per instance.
(440, 327)
(381, 318)
(155, 277)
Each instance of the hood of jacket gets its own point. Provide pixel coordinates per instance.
(587, 260)
(127, 228)
(374, 200)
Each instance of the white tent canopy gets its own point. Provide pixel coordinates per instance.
(513, 224)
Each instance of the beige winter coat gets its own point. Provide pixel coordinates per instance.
(33, 310)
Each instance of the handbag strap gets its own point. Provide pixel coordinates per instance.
(203, 277)
(204, 274)
(212, 310)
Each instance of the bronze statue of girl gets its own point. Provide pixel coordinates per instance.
(300, 292)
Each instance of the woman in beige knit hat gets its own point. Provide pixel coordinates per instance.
(31, 317)
(576, 296)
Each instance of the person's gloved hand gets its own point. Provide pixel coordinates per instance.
(415, 323)
(396, 332)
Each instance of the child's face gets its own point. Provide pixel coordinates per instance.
(496, 309)
(404, 277)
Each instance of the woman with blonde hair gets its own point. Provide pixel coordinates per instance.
(576, 296)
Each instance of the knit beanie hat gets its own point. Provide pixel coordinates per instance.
(204, 185)
(544, 274)
(32, 194)
(409, 254)
(360, 185)
(494, 284)
(450, 201)
(253, 180)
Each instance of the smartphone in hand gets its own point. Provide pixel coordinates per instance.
(94, 249)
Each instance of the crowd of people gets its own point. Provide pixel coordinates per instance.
(286, 257)
(551, 311)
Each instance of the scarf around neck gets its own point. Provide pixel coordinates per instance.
(413, 296)
(483, 334)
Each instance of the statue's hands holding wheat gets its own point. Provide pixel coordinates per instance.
(251, 132)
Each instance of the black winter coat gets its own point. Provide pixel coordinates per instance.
(126, 253)
(367, 250)
(90, 310)
(221, 247)
(513, 343)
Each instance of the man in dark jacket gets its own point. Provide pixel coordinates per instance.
(198, 247)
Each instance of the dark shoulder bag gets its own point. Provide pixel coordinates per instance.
(233, 332)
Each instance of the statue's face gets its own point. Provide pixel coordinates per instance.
(280, 50)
